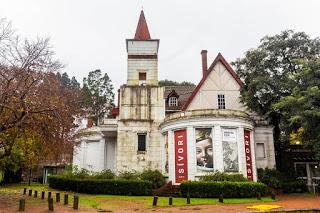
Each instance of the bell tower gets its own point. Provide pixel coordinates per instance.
(141, 105)
(142, 56)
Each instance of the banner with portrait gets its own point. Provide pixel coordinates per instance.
(204, 149)
(230, 150)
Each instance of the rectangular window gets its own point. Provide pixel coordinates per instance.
(221, 102)
(142, 78)
(141, 142)
(261, 153)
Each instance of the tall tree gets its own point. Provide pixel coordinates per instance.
(34, 107)
(268, 72)
(98, 94)
(302, 107)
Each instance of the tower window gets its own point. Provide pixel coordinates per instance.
(141, 142)
(173, 101)
(142, 78)
(221, 102)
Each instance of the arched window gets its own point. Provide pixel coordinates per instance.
(173, 101)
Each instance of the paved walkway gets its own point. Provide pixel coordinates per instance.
(9, 203)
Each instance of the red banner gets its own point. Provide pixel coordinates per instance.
(248, 155)
(181, 159)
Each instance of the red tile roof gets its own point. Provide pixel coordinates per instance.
(221, 59)
(142, 31)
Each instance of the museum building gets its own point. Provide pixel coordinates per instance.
(183, 131)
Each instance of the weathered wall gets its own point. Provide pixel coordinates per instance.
(145, 60)
(141, 111)
(264, 135)
(219, 81)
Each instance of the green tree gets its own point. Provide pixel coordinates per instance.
(97, 92)
(66, 81)
(268, 72)
(167, 82)
(302, 107)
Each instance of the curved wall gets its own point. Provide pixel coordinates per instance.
(199, 141)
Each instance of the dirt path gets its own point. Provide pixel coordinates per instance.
(9, 203)
(286, 202)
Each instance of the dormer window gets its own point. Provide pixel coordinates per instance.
(221, 101)
(173, 101)
(142, 78)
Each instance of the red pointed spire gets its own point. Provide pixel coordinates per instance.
(142, 32)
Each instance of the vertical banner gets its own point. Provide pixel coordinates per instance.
(204, 149)
(248, 155)
(181, 161)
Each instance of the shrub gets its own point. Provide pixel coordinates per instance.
(154, 176)
(228, 189)
(297, 186)
(221, 176)
(129, 175)
(271, 177)
(105, 174)
(101, 186)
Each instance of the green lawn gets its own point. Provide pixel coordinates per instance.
(113, 202)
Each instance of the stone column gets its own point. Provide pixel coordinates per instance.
(241, 152)
(171, 156)
(218, 149)
(192, 161)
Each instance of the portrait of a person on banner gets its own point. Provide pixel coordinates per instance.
(204, 149)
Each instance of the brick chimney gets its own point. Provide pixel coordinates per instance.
(204, 62)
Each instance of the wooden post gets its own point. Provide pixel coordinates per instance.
(50, 204)
(49, 195)
(76, 202)
(188, 198)
(25, 191)
(170, 201)
(30, 192)
(65, 199)
(22, 204)
(42, 195)
(221, 198)
(259, 196)
(57, 197)
(273, 195)
(155, 201)
(35, 193)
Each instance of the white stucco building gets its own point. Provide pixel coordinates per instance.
(183, 131)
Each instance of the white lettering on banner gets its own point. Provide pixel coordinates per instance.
(181, 171)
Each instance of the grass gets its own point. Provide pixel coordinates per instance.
(114, 202)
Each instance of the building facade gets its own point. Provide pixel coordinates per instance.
(183, 131)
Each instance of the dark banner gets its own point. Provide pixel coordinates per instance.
(181, 161)
(248, 155)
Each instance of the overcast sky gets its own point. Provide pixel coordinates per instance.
(90, 34)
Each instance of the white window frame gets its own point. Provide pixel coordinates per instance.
(173, 101)
(221, 101)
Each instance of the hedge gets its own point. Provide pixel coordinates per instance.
(294, 187)
(228, 189)
(101, 186)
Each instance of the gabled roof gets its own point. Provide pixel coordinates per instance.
(221, 59)
(142, 31)
(173, 93)
(183, 93)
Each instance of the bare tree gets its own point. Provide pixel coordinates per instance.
(32, 102)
